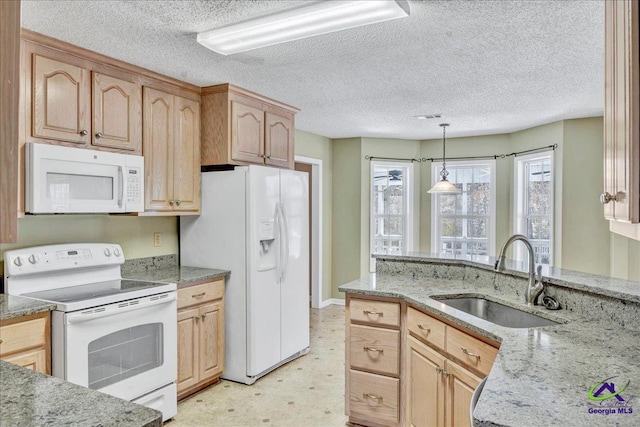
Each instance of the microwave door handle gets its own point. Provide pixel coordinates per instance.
(121, 186)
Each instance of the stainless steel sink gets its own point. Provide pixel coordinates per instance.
(495, 312)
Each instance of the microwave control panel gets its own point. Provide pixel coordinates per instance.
(134, 180)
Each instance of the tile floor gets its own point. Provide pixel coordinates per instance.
(308, 391)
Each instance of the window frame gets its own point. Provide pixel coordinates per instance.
(519, 192)
(408, 218)
(435, 202)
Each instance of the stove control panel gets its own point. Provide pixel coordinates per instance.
(51, 258)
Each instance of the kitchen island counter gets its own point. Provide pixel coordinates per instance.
(12, 306)
(542, 375)
(29, 398)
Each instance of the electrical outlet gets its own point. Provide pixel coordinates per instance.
(157, 239)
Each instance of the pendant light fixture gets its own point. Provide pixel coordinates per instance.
(444, 186)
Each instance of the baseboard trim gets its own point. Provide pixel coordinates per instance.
(330, 301)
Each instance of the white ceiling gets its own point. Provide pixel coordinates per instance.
(488, 66)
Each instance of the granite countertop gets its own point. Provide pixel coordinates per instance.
(14, 306)
(543, 375)
(181, 275)
(29, 398)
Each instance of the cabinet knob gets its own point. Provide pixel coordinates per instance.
(607, 197)
(84, 132)
(98, 135)
(171, 202)
(202, 316)
(425, 330)
(178, 202)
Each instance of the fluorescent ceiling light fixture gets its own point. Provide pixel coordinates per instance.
(318, 17)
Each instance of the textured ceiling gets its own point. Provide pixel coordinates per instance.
(488, 66)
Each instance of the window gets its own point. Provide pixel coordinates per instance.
(534, 206)
(464, 224)
(391, 207)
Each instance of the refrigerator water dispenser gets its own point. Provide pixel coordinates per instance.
(266, 254)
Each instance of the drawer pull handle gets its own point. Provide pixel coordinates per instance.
(373, 313)
(468, 353)
(372, 397)
(422, 328)
(367, 348)
(200, 295)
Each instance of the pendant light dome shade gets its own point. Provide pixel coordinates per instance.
(444, 186)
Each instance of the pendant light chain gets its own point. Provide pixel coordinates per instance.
(444, 173)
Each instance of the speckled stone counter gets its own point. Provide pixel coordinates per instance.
(13, 306)
(542, 376)
(165, 269)
(29, 398)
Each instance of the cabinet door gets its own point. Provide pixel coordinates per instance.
(460, 388)
(622, 112)
(117, 113)
(187, 348)
(158, 149)
(247, 132)
(36, 360)
(279, 139)
(425, 391)
(60, 100)
(186, 155)
(211, 344)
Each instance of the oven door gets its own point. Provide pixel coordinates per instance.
(124, 349)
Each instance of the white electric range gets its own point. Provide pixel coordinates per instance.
(109, 334)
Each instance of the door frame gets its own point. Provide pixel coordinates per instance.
(316, 228)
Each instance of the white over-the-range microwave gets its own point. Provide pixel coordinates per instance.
(77, 180)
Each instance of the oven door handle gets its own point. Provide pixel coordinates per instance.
(118, 309)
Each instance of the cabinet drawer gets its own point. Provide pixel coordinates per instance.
(375, 312)
(374, 349)
(373, 397)
(470, 351)
(426, 328)
(198, 294)
(23, 335)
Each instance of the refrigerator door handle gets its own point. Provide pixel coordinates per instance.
(278, 222)
(285, 240)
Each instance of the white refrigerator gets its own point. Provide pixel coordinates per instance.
(254, 222)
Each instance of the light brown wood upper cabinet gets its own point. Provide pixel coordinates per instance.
(117, 115)
(61, 99)
(241, 127)
(69, 100)
(171, 153)
(621, 197)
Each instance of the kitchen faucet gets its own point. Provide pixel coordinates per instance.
(535, 285)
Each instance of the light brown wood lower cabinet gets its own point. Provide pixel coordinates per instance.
(25, 341)
(438, 390)
(200, 336)
(407, 367)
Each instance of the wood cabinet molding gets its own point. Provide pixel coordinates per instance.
(9, 118)
(110, 63)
